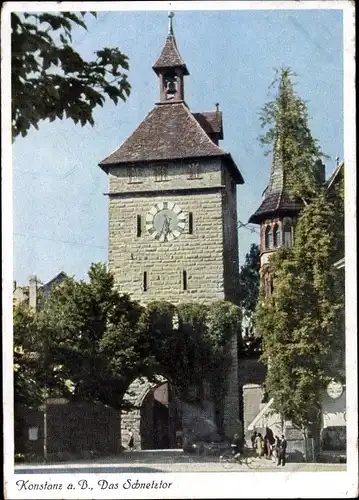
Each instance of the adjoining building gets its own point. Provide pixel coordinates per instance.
(36, 291)
(333, 423)
(277, 216)
(173, 234)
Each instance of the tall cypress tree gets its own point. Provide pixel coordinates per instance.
(288, 134)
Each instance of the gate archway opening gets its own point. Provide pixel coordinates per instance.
(155, 417)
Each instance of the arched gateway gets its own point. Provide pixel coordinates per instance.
(155, 417)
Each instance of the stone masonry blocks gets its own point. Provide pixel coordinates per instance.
(200, 254)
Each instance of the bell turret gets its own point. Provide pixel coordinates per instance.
(170, 68)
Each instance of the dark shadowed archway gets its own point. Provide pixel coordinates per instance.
(155, 423)
(156, 415)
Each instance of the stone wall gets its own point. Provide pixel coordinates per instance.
(230, 238)
(199, 254)
(74, 430)
(209, 255)
(231, 402)
(131, 420)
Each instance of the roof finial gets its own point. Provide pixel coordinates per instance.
(217, 106)
(170, 27)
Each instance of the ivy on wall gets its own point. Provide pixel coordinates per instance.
(98, 341)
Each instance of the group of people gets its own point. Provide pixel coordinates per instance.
(271, 447)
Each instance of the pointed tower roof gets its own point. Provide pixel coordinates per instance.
(276, 197)
(170, 56)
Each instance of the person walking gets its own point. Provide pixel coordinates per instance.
(268, 442)
(267, 447)
(131, 440)
(253, 439)
(275, 449)
(179, 438)
(259, 445)
(282, 451)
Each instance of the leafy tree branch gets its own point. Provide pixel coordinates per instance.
(50, 80)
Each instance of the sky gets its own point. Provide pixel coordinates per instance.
(60, 211)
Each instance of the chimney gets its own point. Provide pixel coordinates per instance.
(33, 292)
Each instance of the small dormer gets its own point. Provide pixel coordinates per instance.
(211, 122)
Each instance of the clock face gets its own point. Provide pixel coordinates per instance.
(165, 221)
(334, 389)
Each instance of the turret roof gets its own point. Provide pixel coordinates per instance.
(276, 197)
(170, 57)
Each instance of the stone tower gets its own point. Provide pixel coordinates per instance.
(276, 215)
(172, 200)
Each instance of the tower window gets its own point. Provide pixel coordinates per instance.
(184, 280)
(194, 171)
(161, 172)
(190, 223)
(134, 175)
(139, 226)
(268, 241)
(276, 236)
(287, 235)
(145, 283)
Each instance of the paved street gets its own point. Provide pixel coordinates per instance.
(165, 461)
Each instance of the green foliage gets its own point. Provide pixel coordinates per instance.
(90, 335)
(27, 390)
(171, 349)
(302, 323)
(249, 280)
(224, 324)
(156, 326)
(195, 349)
(50, 80)
(289, 137)
(95, 342)
(223, 319)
